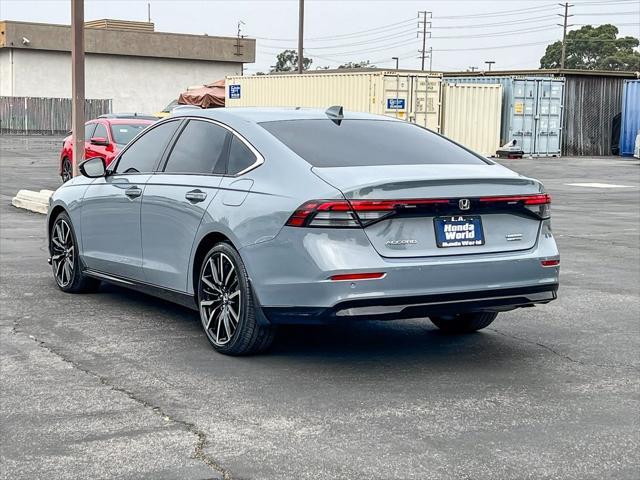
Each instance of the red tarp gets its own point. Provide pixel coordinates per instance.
(208, 96)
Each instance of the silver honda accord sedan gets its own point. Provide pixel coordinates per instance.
(263, 217)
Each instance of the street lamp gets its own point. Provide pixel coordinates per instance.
(397, 60)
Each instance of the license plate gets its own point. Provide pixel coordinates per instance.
(458, 231)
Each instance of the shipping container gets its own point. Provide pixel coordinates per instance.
(630, 116)
(532, 110)
(471, 115)
(411, 96)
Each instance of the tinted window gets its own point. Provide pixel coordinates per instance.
(240, 157)
(142, 155)
(199, 149)
(123, 133)
(101, 131)
(88, 131)
(323, 143)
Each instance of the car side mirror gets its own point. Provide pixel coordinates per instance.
(99, 141)
(93, 168)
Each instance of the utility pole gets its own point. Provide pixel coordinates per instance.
(77, 82)
(489, 63)
(301, 36)
(564, 31)
(149, 12)
(473, 69)
(239, 46)
(422, 16)
(397, 59)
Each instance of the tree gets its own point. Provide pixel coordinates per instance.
(594, 48)
(287, 61)
(363, 64)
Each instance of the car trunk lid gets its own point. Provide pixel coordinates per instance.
(436, 210)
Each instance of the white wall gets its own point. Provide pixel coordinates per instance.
(136, 84)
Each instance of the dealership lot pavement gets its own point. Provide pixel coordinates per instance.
(121, 385)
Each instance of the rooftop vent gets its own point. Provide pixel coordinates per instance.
(110, 24)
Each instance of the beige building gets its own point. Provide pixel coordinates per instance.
(139, 69)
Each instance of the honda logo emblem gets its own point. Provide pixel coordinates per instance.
(464, 204)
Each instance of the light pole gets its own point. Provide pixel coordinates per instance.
(397, 60)
(77, 83)
(301, 36)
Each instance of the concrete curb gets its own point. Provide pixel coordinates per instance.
(34, 201)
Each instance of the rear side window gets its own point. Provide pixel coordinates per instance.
(199, 149)
(324, 143)
(240, 157)
(88, 131)
(101, 131)
(145, 152)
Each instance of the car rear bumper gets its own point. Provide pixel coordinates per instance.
(392, 308)
(291, 278)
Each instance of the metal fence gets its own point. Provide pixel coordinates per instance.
(44, 116)
(591, 103)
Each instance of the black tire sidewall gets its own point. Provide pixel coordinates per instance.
(77, 275)
(247, 313)
(65, 161)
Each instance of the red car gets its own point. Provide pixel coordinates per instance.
(104, 137)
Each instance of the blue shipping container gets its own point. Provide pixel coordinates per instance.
(630, 116)
(532, 109)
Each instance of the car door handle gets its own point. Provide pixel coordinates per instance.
(195, 196)
(133, 192)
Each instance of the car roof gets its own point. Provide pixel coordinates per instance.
(128, 121)
(263, 114)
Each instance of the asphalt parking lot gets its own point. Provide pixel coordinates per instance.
(120, 385)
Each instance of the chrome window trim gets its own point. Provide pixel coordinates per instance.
(258, 156)
(116, 161)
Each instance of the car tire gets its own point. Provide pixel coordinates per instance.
(227, 306)
(65, 262)
(67, 170)
(464, 322)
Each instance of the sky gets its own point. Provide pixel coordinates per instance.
(463, 33)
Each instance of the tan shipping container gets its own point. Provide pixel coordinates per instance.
(471, 115)
(412, 96)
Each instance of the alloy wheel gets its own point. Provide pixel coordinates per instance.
(220, 298)
(63, 252)
(66, 171)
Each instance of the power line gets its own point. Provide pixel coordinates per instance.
(542, 28)
(495, 24)
(502, 13)
(497, 47)
(392, 26)
(599, 14)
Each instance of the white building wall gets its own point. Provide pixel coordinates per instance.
(5, 71)
(135, 84)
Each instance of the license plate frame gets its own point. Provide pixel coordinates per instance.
(466, 229)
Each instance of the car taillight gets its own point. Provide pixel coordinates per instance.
(352, 213)
(540, 204)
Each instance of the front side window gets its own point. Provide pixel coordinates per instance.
(101, 132)
(89, 128)
(199, 149)
(354, 143)
(143, 155)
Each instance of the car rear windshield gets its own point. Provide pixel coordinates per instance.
(123, 133)
(352, 143)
